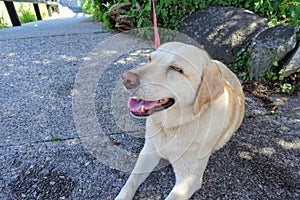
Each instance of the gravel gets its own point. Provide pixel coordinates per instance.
(43, 156)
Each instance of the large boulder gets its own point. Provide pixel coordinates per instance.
(293, 65)
(223, 31)
(271, 45)
(120, 21)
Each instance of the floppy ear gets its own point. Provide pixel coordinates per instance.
(211, 87)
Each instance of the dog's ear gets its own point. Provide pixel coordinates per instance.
(211, 87)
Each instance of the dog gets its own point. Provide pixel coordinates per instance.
(193, 105)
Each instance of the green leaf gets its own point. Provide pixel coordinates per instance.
(275, 63)
(147, 7)
(139, 23)
(281, 77)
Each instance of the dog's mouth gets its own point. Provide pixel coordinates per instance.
(143, 108)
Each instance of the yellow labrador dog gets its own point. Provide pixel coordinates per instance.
(193, 106)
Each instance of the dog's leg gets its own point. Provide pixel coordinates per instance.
(146, 162)
(189, 175)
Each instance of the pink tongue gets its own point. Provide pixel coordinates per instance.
(135, 105)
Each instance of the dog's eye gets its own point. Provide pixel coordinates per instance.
(177, 69)
(149, 59)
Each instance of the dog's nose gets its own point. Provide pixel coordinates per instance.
(130, 80)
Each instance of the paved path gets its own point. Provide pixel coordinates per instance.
(43, 154)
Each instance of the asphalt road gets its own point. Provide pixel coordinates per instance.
(66, 134)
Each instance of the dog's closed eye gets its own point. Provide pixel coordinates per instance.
(175, 68)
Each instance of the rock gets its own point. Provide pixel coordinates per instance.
(45, 171)
(8, 182)
(223, 31)
(117, 9)
(121, 22)
(271, 45)
(294, 65)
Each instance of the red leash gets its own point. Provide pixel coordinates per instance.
(156, 35)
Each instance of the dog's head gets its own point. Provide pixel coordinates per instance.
(177, 78)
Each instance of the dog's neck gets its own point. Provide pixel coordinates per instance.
(169, 121)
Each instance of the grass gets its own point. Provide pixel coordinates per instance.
(53, 139)
(25, 11)
(3, 23)
(26, 15)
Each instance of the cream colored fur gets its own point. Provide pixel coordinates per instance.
(208, 109)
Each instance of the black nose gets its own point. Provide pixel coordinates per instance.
(130, 80)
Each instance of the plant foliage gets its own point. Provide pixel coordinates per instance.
(26, 15)
(171, 12)
(99, 9)
(3, 23)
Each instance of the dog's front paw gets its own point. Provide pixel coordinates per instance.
(118, 198)
(124, 196)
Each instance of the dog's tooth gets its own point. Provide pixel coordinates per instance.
(161, 100)
(143, 108)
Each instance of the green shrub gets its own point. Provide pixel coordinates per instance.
(241, 65)
(26, 15)
(290, 12)
(171, 12)
(99, 9)
(88, 7)
(3, 23)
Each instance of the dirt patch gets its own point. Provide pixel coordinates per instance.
(263, 92)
